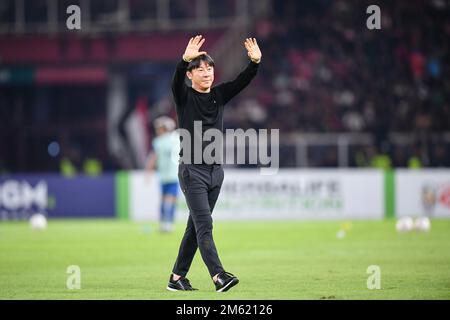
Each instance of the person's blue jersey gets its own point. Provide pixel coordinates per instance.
(167, 148)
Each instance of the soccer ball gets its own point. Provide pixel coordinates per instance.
(422, 224)
(38, 221)
(340, 234)
(404, 224)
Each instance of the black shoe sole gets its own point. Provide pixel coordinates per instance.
(229, 285)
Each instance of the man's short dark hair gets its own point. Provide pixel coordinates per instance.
(195, 63)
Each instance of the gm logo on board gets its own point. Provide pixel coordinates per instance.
(18, 195)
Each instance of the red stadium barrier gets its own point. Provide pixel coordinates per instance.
(121, 48)
(83, 75)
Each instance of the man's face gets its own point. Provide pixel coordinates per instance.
(160, 130)
(202, 77)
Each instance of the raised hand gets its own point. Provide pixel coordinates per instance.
(192, 48)
(253, 50)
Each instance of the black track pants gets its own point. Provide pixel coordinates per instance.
(201, 187)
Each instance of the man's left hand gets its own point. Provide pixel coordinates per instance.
(253, 50)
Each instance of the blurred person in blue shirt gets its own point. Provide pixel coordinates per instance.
(164, 158)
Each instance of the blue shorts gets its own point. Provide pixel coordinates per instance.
(170, 189)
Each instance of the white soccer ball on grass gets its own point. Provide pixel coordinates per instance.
(422, 224)
(38, 221)
(404, 224)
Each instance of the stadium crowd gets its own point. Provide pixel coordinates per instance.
(325, 71)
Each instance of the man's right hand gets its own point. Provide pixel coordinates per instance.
(192, 48)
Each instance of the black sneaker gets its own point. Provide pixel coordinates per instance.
(181, 284)
(225, 281)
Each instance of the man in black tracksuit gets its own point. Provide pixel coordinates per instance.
(201, 181)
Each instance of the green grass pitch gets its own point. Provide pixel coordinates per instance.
(273, 260)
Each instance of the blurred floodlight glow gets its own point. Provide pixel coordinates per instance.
(53, 149)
